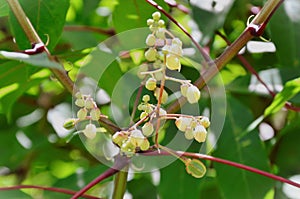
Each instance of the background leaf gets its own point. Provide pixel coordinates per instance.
(47, 17)
(247, 150)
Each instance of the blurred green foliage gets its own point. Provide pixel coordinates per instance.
(33, 148)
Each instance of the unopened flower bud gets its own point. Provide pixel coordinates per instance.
(156, 16)
(90, 131)
(145, 145)
(161, 23)
(69, 123)
(95, 114)
(146, 98)
(150, 54)
(150, 40)
(204, 121)
(173, 62)
(151, 84)
(189, 135)
(193, 94)
(200, 133)
(150, 22)
(79, 102)
(78, 95)
(89, 103)
(81, 114)
(182, 123)
(183, 89)
(147, 129)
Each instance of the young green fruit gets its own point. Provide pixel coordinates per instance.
(195, 167)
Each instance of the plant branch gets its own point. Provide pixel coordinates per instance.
(250, 68)
(34, 38)
(223, 161)
(120, 163)
(53, 189)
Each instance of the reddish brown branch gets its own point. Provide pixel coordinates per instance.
(53, 189)
(250, 68)
(227, 162)
(120, 162)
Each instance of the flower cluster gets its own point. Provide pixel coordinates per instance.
(88, 111)
(193, 127)
(129, 141)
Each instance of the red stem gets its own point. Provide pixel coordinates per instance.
(227, 162)
(53, 189)
(120, 162)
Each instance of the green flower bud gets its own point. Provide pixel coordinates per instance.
(204, 121)
(183, 89)
(150, 54)
(156, 16)
(182, 123)
(145, 145)
(146, 98)
(81, 114)
(95, 114)
(189, 135)
(150, 22)
(161, 23)
(151, 84)
(79, 102)
(78, 95)
(143, 114)
(147, 129)
(150, 40)
(69, 123)
(173, 62)
(89, 103)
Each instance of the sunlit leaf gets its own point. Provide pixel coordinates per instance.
(291, 88)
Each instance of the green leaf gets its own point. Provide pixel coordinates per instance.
(176, 183)
(47, 17)
(130, 14)
(11, 97)
(284, 28)
(40, 59)
(286, 153)
(210, 18)
(291, 88)
(3, 8)
(238, 183)
(138, 187)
